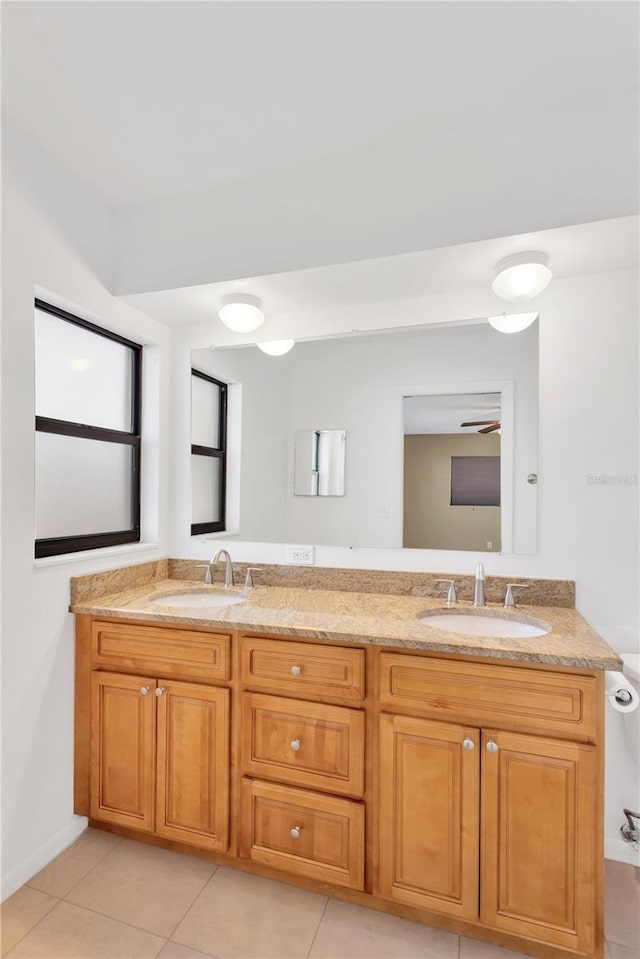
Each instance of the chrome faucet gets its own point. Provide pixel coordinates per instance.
(509, 600)
(228, 567)
(248, 582)
(478, 587)
(452, 598)
(207, 572)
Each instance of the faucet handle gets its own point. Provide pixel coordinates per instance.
(509, 600)
(452, 596)
(207, 575)
(248, 582)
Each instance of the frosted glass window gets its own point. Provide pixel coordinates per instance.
(82, 486)
(82, 376)
(205, 413)
(206, 480)
(88, 414)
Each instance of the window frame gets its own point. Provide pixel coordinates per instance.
(217, 452)
(58, 545)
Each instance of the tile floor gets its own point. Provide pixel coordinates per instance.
(112, 898)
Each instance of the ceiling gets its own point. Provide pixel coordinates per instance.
(318, 145)
(444, 414)
(573, 251)
(145, 100)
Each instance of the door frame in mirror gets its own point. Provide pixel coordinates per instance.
(507, 440)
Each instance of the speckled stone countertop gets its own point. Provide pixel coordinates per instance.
(361, 618)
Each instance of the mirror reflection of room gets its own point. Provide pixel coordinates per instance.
(452, 471)
(358, 384)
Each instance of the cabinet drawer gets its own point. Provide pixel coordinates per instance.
(303, 833)
(306, 744)
(483, 694)
(286, 667)
(174, 653)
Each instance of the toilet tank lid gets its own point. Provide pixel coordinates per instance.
(631, 665)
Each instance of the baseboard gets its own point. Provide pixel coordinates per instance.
(42, 857)
(616, 848)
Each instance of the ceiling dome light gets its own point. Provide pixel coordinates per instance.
(276, 347)
(521, 276)
(241, 312)
(514, 323)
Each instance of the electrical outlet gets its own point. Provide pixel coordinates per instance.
(301, 555)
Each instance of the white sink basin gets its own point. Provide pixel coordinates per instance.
(200, 600)
(484, 624)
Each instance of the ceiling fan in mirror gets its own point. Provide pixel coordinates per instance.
(490, 426)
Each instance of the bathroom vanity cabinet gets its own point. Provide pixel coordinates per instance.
(493, 816)
(458, 791)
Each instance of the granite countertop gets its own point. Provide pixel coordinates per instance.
(362, 618)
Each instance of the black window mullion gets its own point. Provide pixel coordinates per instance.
(136, 392)
(207, 451)
(86, 324)
(135, 485)
(44, 424)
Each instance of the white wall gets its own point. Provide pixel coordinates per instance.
(57, 237)
(588, 425)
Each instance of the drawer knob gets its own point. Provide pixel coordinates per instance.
(144, 690)
(296, 670)
(295, 832)
(492, 747)
(295, 745)
(160, 691)
(468, 744)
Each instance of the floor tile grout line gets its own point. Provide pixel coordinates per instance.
(161, 948)
(103, 915)
(82, 878)
(56, 903)
(315, 935)
(193, 902)
(95, 866)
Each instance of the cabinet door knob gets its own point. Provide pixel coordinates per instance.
(295, 832)
(160, 690)
(296, 670)
(492, 747)
(295, 745)
(144, 690)
(468, 744)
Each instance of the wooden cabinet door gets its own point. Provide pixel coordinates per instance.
(429, 819)
(123, 713)
(192, 803)
(539, 858)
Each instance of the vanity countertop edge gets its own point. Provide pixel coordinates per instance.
(361, 619)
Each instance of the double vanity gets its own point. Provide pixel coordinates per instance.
(440, 763)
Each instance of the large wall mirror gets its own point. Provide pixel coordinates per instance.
(399, 398)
